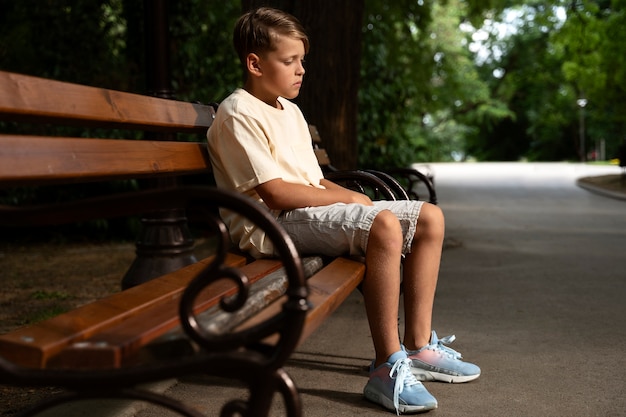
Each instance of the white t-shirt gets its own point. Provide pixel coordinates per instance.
(251, 143)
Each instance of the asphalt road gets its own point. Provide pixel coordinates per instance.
(535, 292)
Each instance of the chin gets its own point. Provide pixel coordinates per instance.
(294, 94)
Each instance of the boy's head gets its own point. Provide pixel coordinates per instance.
(257, 31)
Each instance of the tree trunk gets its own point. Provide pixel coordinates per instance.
(329, 95)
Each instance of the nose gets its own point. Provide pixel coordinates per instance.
(301, 69)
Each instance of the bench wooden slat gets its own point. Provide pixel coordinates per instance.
(315, 135)
(40, 100)
(34, 159)
(328, 289)
(115, 346)
(322, 157)
(33, 346)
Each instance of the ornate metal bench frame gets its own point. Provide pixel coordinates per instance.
(241, 354)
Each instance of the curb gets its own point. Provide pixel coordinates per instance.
(600, 190)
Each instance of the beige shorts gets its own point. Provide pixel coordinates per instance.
(341, 229)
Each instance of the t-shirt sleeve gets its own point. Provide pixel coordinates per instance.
(246, 153)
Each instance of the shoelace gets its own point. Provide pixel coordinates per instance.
(440, 344)
(401, 372)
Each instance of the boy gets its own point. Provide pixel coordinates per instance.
(260, 146)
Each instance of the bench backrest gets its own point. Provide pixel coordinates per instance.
(25, 159)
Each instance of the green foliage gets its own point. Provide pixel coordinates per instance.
(594, 65)
(45, 313)
(101, 43)
(559, 53)
(55, 39)
(49, 295)
(204, 64)
(387, 103)
(524, 77)
(420, 91)
(423, 95)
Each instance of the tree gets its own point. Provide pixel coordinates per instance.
(524, 73)
(56, 39)
(388, 83)
(396, 71)
(205, 66)
(594, 61)
(420, 88)
(558, 55)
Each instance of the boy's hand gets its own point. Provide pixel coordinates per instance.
(350, 196)
(362, 199)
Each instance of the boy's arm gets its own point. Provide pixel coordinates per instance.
(282, 195)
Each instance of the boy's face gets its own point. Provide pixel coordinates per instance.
(279, 72)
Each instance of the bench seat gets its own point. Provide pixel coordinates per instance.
(33, 346)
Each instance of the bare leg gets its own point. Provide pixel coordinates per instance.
(421, 270)
(381, 286)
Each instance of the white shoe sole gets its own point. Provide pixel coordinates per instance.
(424, 375)
(380, 399)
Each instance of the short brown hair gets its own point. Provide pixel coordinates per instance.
(256, 31)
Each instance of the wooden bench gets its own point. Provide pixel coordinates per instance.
(248, 314)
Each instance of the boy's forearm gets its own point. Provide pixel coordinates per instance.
(282, 195)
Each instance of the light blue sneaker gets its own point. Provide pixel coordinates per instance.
(437, 362)
(393, 386)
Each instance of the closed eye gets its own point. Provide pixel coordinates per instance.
(293, 60)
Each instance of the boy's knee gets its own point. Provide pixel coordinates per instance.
(431, 221)
(435, 213)
(386, 229)
(388, 221)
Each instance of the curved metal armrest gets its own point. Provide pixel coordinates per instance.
(362, 181)
(392, 183)
(412, 178)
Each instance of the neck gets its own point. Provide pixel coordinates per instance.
(268, 99)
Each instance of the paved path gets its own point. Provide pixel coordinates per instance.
(536, 293)
(533, 285)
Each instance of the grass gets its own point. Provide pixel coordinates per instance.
(45, 313)
(49, 295)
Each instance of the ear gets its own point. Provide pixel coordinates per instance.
(253, 65)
